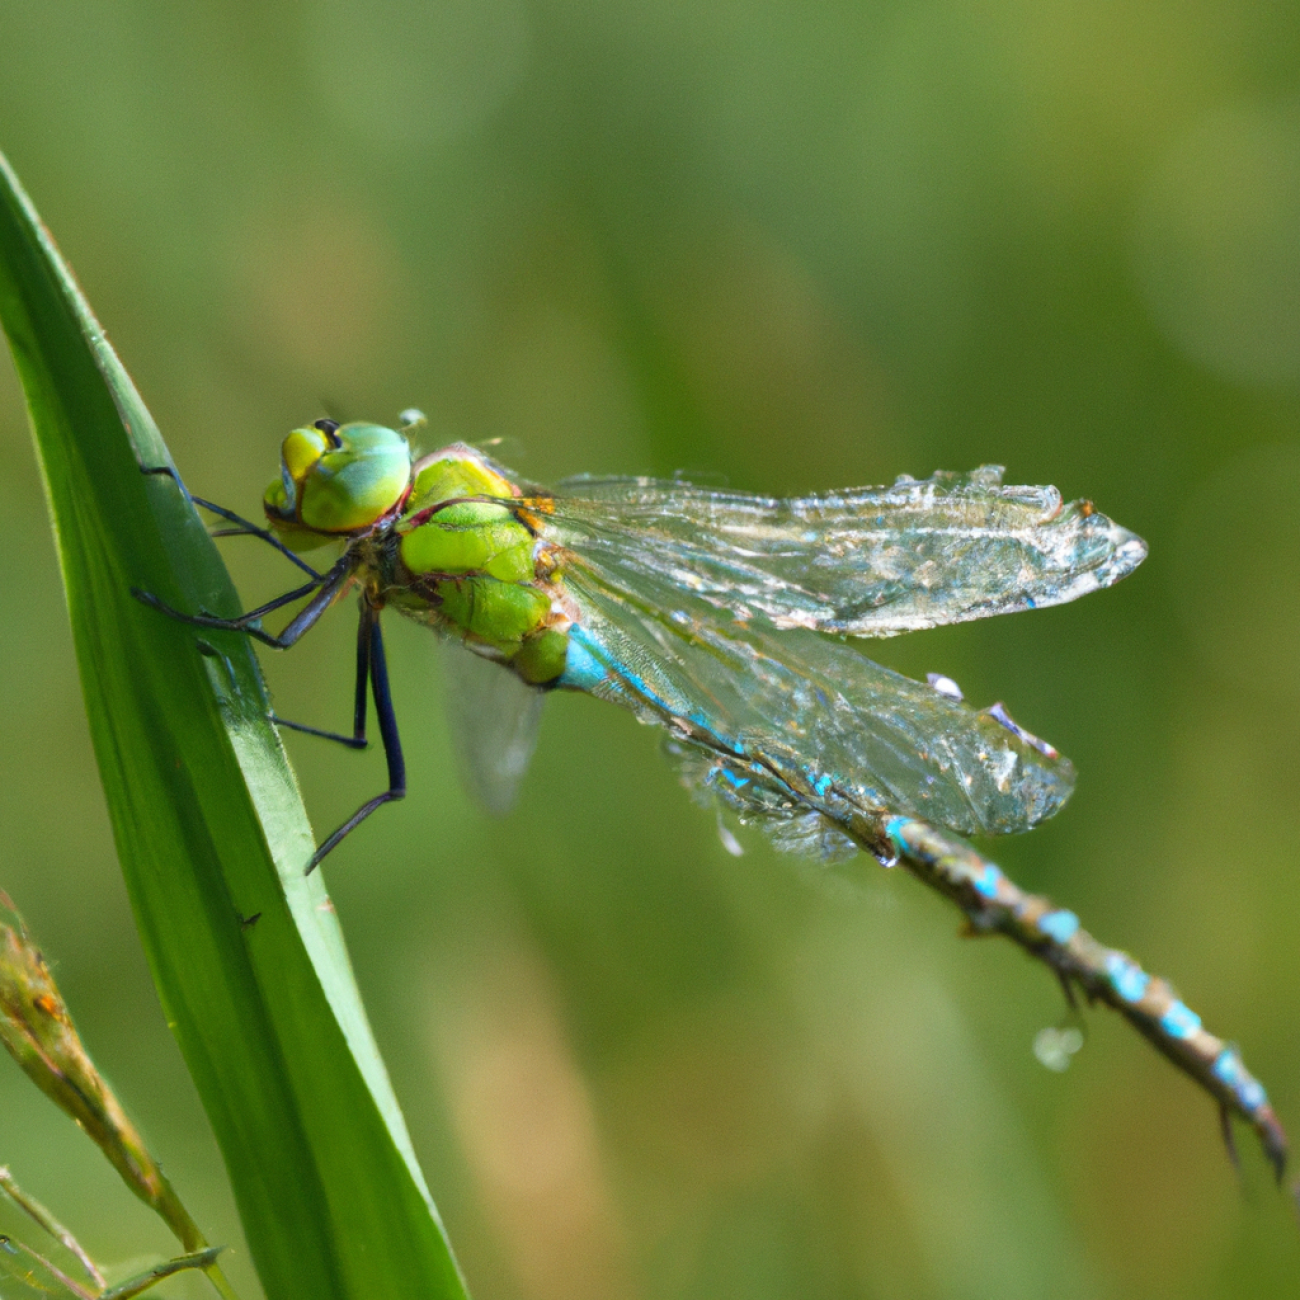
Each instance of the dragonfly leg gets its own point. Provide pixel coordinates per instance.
(246, 527)
(1229, 1142)
(211, 652)
(352, 742)
(165, 471)
(1071, 1000)
(327, 589)
(357, 740)
(387, 730)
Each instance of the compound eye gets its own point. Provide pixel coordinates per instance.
(302, 449)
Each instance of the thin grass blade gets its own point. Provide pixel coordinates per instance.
(210, 828)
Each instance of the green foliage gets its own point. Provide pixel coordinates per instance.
(210, 830)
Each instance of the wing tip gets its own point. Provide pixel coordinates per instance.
(1107, 551)
(1127, 551)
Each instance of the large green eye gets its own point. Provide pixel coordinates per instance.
(339, 479)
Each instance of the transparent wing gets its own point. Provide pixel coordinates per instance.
(493, 717)
(799, 731)
(864, 561)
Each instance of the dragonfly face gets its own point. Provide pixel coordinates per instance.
(336, 481)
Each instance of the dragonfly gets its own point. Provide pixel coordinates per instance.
(732, 622)
(727, 619)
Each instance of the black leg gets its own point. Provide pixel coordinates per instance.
(1068, 989)
(352, 742)
(387, 731)
(364, 649)
(252, 615)
(246, 527)
(330, 585)
(249, 529)
(371, 663)
(211, 652)
(357, 740)
(1225, 1128)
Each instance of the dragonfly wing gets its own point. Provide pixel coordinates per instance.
(786, 725)
(863, 561)
(493, 717)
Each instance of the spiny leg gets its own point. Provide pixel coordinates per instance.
(357, 740)
(387, 730)
(302, 623)
(371, 665)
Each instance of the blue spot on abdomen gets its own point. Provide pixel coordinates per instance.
(1060, 925)
(1180, 1021)
(1127, 978)
(583, 671)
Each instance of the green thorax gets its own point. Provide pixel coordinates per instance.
(471, 564)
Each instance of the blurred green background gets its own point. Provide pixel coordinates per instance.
(794, 247)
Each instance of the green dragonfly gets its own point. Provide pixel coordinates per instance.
(722, 617)
(728, 620)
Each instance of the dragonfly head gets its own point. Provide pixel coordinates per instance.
(336, 480)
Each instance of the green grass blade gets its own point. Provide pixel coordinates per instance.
(209, 828)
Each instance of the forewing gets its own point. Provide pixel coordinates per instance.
(863, 561)
(794, 725)
(493, 717)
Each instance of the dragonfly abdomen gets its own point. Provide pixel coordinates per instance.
(994, 903)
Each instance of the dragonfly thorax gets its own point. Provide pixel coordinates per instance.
(460, 557)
